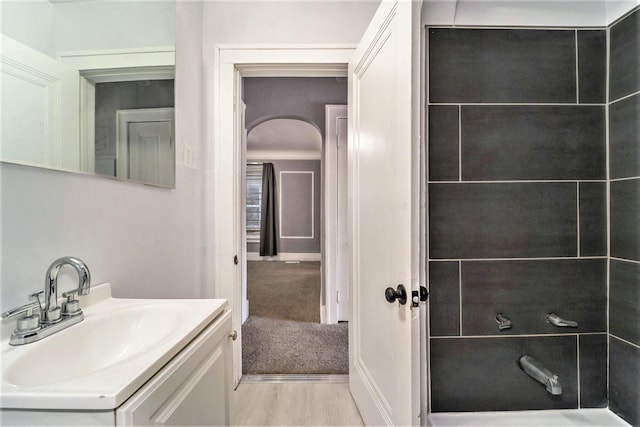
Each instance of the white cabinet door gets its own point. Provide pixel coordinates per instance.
(384, 374)
(193, 389)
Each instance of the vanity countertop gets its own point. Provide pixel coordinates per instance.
(100, 362)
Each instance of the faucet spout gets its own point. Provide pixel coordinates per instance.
(51, 310)
(535, 370)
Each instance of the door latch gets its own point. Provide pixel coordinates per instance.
(235, 259)
(420, 295)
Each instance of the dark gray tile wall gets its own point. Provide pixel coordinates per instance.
(525, 291)
(498, 220)
(624, 167)
(624, 66)
(468, 65)
(624, 377)
(533, 142)
(517, 215)
(624, 295)
(482, 374)
(593, 218)
(593, 370)
(592, 66)
(625, 219)
(624, 134)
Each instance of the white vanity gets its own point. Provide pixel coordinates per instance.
(129, 362)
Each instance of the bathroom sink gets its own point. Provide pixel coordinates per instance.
(96, 343)
(99, 362)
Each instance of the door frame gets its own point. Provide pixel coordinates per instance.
(223, 162)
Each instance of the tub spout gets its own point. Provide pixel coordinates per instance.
(535, 370)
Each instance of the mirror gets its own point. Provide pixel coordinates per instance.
(88, 87)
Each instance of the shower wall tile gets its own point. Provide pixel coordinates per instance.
(624, 377)
(592, 66)
(593, 371)
(502, 220)
(443, 142)
(624, 134)
(482, 374)
(624, 66)
(625, 217)
(444, 298)
(483, 65)
(525, 291)
(624, 296)
(533, 142)
(593, 218)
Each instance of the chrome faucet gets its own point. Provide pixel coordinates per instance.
(535, 370)
(51, 312)
(41, 320)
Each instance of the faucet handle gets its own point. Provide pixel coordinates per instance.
(71, 307)
(28, 323)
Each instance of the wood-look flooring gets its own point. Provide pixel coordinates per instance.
(295, 404)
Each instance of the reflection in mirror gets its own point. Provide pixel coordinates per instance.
(87, 86)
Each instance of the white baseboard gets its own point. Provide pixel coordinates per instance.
(285, 256)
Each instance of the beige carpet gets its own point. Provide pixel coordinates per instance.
(282, 334)
(280, 290)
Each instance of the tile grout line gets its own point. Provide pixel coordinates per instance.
(622, 98)
(578, 368)
(594, 257)
(523, 104)
(608, 194)
(630, 178)
(524, 181)
(459, 143)
(460, 292)
(578, 216)
(625, 341)
(568, 334)
(633, 261)
(577, 75)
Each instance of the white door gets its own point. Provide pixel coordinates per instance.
(336, 248)
(146, 147)
(383, 182)
(40, 107)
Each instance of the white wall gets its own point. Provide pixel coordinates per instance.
(147, 241)
(29, 22)
(550, 13)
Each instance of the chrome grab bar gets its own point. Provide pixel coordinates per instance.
(556, 320)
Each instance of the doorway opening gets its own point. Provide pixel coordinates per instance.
(294, 281)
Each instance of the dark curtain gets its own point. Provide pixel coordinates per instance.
(269, 214)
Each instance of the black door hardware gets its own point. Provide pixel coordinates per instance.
(400, 294)
(417, 296)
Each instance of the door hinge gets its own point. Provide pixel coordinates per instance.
(235, 259)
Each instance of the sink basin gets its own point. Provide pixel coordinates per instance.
(89, 346)
(98, 363)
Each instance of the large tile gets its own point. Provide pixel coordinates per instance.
(624, 380)
(624, 138)
(502, 220)
(444, 298)
(533, 142)
(593, 218)
(478, 65)
(592, 66)
(624, 300)
(625, 217)
(443, 142)
(525, 291)
(482, 374)
(624, 65)
(593, 371)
